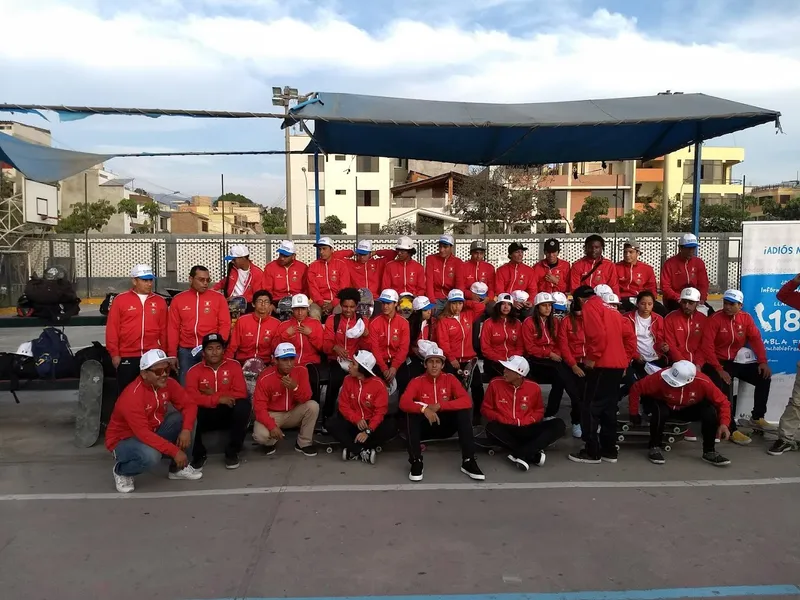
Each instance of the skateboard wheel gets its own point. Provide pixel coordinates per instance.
(329, 449)
(378, 449)
(676, 430)
(620, 438)
(491, 452)
(667, 448)
(626, 427)
(422, 447)
(671, 440)
(617, 447)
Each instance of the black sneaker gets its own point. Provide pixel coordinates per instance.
(471, 469)
(584, 457)
(310, 450)
(199, 462)
(415, 473)
(269, 450)
(323, 428)
(779, 447)
(538, 459)
(519, 463)
(716, 459)
(232, 461)
(609, 456)
(655, 456)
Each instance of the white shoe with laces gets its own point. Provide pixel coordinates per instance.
(188, 473)
(124, 483)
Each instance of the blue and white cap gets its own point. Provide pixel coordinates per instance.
(447, 239)
(688, 240)
(388, 295)
(455, 296)
(286, 248)
(364, 247)
(142, 272)
(285, 350)
(733, 296)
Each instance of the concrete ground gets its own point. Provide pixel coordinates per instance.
(291, 526)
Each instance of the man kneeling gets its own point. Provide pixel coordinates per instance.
(436, 407)
(140, 430)
(681, 393)
(282, 398)
(514, 410)
(361, 424)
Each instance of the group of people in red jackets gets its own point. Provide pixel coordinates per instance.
(611, 341)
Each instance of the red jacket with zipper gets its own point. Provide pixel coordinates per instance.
(255, 282)
(657, 332)
(192, 315)
(701, 388)
(635, 278)
(366, 275)
(684, 336)
(368, 400)
(404, 276)
(271, 395)
(389, 340)
(515, 276)
(331, 338)
(445, 390)
(471, 271)
(284, 281)
(454, 336)
(606, 273)
(140, 411)
(677, 274)
(253, 337)
(609, 337)
(226, 380)
(560, 270)
(307, 347)
(724, 336)
(572, 340)
(441, 275)
(132, 328)
(504, 403)
(788, 294)
(325, 279)
(540, 346)
(501, 339)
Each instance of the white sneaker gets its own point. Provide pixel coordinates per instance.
(124, 483)
(548, 419)
(518, 462)
(576, 431)
(188, 472)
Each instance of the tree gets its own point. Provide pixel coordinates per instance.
(332, 225)
(591, 218)
(782, 212)
(716, 217)
(86, 217)
(128, 206)
(429, 225)
(399, 227)
(6, 187)
(274, 220)
(229, 197)
(142, 192)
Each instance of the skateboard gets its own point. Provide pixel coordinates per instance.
(673, 432)
(492, 448)
(236, 306)
(365, 304)
(676, 427)
(329, 444)
(767, 434)
(283, 310)
(406, 306)
(467, 372)
(252, 368)
(90, 404)
(425, 442)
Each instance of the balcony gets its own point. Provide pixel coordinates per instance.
(598, 180)
(649, 175)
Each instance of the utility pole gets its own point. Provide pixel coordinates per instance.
(283, 97)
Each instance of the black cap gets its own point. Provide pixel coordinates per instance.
(514, 246)
(552, 245)
(477, 245)
(210, 338)
(583, 291)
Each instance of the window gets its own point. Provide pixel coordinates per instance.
(321, 197)
(368, 228)
(560, 199)
(403, 202)
(204, 226)
(367, 164)
(367, 197)
(311, 164)
(339, 157)
(341, 192)
(784, 198)
(163, 223)
(679, 163)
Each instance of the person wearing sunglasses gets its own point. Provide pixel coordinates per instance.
(141, 430)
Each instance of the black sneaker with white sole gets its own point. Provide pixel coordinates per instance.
(310, 450)
(584, 457)
(780, 446)
(518, 462)
(716, 459)
(415, 473)
(269, 450)
(232, 461)
(471, 469)
(199, 462)
(538, 459)
(609, 456)
(655, 456)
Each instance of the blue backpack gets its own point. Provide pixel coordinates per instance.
(52, 355)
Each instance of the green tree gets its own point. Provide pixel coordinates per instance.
(87, 217)
(141, 192)
(399, 227)
(273, 220)
(789, 211)
(591, 218)
(6, 186)
(128, 206)
(429, 225)
(332, 225)
(229, 197)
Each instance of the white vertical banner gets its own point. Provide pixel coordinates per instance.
(770, 258)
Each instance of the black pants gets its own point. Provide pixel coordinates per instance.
(599, 409)
(452, 421)
(415, 366)
(703, 411)
(748, 373)
(475, 388)
(526, 441)
(336, 377)
(127, 372)
(560, 377)
(317, 371)
(675, 305)
(629, 305)
(402, 376)
(636, 371)
(345, 432)
(235, 419)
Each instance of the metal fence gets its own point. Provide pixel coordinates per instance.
(104, 264)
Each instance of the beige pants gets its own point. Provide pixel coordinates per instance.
(790, 419)
(303, 416)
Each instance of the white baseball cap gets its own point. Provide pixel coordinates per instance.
(505, 297)
(434, 352)
(602, 288)
(455, 296)
(520, 295)
(680, 374)
(151, 358)
(356, 330)
(543, 298)
(422, 303)
(286, 248)
(425, 346)
(238, 251)
(447, 239)
(405, 243)
(689, 240)
(366, 359)
(142, 272)
(733, 296)
(745, 356)
(517, 364)
(560, 300)
(479, 288)
(285, 350)
(610, 298)
(324, 241)
(300, 301)
(388, 295)
(364, 247)
(691, 294)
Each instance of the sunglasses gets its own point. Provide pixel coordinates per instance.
(160, 372)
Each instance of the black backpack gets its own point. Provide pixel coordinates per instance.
(51, 299)
(96, 352)
(52, 355)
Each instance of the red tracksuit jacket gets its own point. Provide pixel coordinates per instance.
(253, 337)
(724, 336)
(701, 388)
(140, 411)
(193, 315)
(307, 347)
(572, 340)
(368, 400)
(255, 282)
(635, 278)
(684, 336)
(325, 278)
(441, 275)
(560, 270)
(366, 275)
(605, 273)
(504, 403)
(285, 281)
(788, 295)
(445, 390)
(540, 346)
(404, 276)
(677, 274)
(226, 380)
(501, 339)
(271, 395)
(332, 338)
(389, 340)
(512, 277)
(471, 271)
(454, 336)
(132, 328)
(609, 337)
(657, 331)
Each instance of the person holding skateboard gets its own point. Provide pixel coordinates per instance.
(141, 430)
(252, 335)
(389, 340)
(361, 424)
(404, 274)
(476, 269)
(306, 335)
(242, 278)
(681, 393)
(501, 335)
(790, 419)
(651, 346)
(442, 272)
(285, 276)
(514, 276)
(419, 328)
(551, 274)
(593, 269)
(366, 265)
(436, 406)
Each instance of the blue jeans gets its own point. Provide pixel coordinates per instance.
(185, 362)
(135, 457)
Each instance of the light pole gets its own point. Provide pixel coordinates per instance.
(283, 97)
